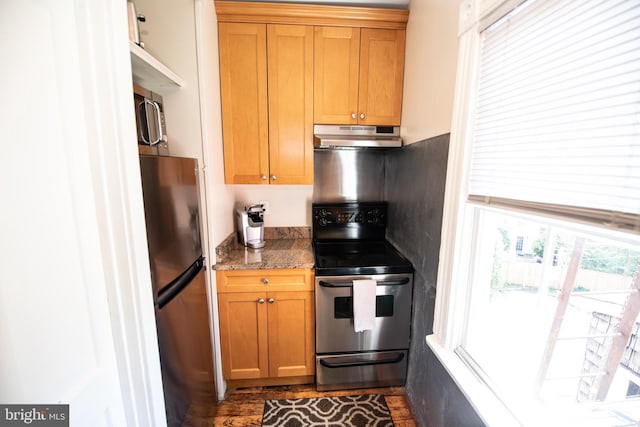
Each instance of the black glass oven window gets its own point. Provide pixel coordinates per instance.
(343, 307)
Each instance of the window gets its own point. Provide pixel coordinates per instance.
(539, 279)
(549, 326)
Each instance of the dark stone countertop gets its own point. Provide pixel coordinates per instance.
(286, 247)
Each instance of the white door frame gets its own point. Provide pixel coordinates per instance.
(99, 177)
(117, 176)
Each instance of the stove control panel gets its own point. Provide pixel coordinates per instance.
(341, 216)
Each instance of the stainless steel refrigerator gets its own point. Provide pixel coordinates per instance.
(170, 191)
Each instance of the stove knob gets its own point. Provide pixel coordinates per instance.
(323, 221)
(323, 212)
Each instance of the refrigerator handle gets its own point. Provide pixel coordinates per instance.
(170, 291)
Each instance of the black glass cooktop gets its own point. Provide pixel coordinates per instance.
(349, 239)
(339, 258)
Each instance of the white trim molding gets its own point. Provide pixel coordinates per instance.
(453, 227)
(207, 48)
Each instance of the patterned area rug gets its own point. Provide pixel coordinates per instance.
(339, 411)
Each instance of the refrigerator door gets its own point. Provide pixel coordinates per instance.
(185, 353)
(170, 192)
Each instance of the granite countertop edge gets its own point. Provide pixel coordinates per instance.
(285, 248)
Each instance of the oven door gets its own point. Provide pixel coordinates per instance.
(335, 331)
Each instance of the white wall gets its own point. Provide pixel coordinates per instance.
(430, 69)
(169, 35)
(289, 205)
(220, 197)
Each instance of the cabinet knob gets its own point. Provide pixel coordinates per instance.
(265, 281)
(353, 116)
(261, 301)
(362, 115)
(264, 177)
(273, 177)
(271, 300)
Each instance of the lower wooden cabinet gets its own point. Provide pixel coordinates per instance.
(266, 334)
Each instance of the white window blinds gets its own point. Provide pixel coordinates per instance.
(558, 110)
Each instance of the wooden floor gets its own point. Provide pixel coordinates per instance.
(244, 407)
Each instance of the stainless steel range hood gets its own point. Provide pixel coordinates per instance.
(338, 136)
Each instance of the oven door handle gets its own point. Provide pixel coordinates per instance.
(350, 284)
(394, 359)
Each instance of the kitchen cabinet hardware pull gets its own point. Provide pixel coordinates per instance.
(353, 116)
(271, 300)
(350, 284)
(362, 115)
(264, 177)
(273, 177)
(261, 301)
(265, 281)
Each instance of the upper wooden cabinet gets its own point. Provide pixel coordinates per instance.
(243, 89)
(266, 83)
(358, 75)
(336, 74)
(290, 91)
(272, 91)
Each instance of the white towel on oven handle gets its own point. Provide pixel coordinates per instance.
(364, 305)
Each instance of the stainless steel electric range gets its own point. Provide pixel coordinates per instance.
(349, 244)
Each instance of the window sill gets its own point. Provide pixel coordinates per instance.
(490, 409)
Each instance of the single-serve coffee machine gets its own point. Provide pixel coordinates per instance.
(251, 225)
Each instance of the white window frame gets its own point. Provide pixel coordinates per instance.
(458, 219)
(450, 306)
(451, 300)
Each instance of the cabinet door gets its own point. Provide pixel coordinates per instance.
(291, 334)
(243, 335)
(381, 76)
(243, 87)
(290, 71)
(336, 75)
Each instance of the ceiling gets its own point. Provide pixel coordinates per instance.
(392, 4)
